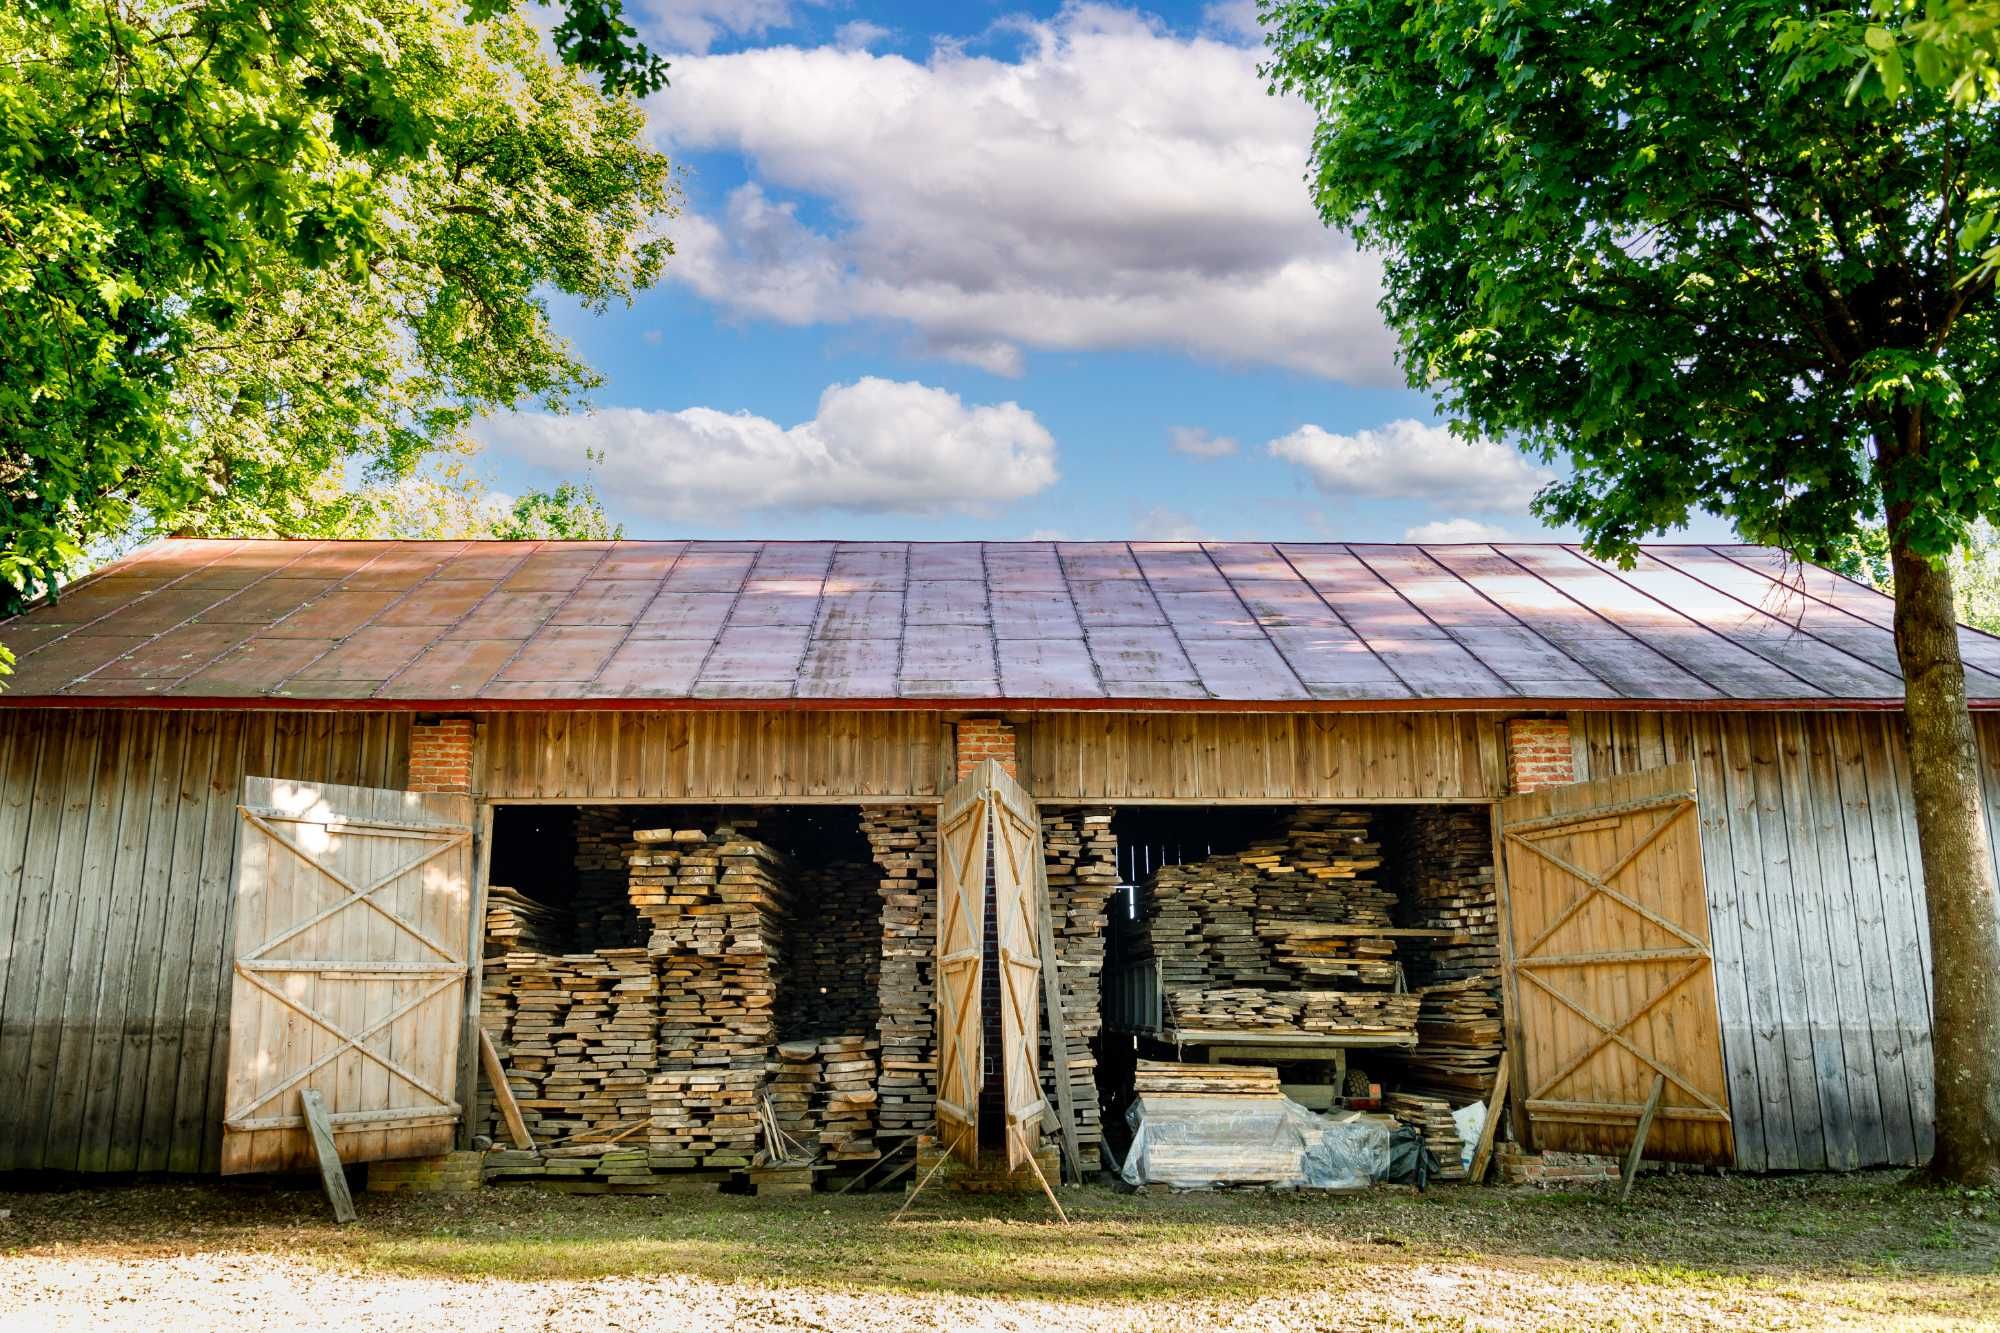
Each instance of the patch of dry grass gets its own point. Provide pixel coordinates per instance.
(1808, 1250)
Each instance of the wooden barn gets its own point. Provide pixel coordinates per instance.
(695, 837)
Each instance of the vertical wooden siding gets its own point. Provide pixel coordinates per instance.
(117, 830)
(1816, 913)
(1262, 756)
(710, 756)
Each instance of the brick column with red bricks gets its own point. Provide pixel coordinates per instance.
(984, 738)
(1538, 754)
(441, 755)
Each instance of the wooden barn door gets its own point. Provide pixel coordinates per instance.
(1017, 853)
(961, 941)
(352, 932)
(1609, 963)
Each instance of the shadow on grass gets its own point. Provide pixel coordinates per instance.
(1737, 1234)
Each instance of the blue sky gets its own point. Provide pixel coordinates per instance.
(1000, 271)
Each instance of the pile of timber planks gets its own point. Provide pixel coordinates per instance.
(791, 1078)
(1167, 1078)
(578, 1036)
(516, 923)
(1245, 918)
(1449, 850)
(704, 1117)
(1459, 1040)
(1255, 1009)
(1431, 1117)
(902, 840)
(845, 1104)
(1081, 854)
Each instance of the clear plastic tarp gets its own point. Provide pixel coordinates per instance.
(1214, 1142)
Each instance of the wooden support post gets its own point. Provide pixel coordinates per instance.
(1058, 1030)
(1638, 1149)
(503, 1096)
(313, 1107)
(1482, 1153)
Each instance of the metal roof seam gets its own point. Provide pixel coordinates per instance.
(1574, 600)
(1262, 631)
(1429, 619)
(1166, 619)
(637, 616)
(1798, 628)
(1658, 601)
(1526, 628)
(1345, 623)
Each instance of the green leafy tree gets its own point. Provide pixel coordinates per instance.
(258, 261)
(1660, 243)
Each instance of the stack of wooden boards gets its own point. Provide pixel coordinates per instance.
(516, 923)
(578, 1031)
(845, 1101)
(902, 840)
(1081, 854)
(1165, 1077)
(1449, 850)
(1275, 938)
(1431, 1117)
(1254, 1009)
(716, 902)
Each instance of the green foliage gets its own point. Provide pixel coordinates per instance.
(594, 35)
(1952, 46)
(260, 262)
(1643, 239)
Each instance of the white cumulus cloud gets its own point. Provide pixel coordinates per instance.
(1457, 530)
(874, 446)
(1114, 185)
(1414, 460)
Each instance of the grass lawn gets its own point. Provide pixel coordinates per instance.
(1865, 1249)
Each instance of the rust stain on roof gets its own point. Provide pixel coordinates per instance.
(888, 624)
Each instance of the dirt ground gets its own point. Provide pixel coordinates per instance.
(1688, 1251)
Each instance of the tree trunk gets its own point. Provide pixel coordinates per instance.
(1960, 895)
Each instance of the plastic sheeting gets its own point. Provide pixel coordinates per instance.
(1212, 1142)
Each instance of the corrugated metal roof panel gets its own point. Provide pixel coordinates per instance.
(1094, 624)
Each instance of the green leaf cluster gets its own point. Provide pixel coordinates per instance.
(258, 262)
(1659, 242)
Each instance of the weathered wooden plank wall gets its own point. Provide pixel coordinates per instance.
(1262, 756)
(116, 835)
(711, 756)
(1816, 911)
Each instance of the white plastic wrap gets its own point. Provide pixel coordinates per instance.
(1471, 1122)
(1209, 1142)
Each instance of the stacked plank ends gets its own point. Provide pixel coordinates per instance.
(704, 1117)
(791, 1080)
(1431, 1118)
(1081, 854)
(1331, 1012)
(603, 906)
(845, 1105)
(1290, 935)
(1451, 888)
(1165, 1077)
(902, 840)
(516, 923)
(578, 1036)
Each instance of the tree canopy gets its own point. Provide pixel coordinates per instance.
(261, 261)
(1645, 240)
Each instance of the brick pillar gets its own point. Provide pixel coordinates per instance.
(441, 755)
(1538, 753)
(984, 738)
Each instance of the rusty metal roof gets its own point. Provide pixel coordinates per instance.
(960, 624)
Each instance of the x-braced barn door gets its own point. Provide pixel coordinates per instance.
(352, 933)
(1017, 852)
(961, 941)
(1610, 965)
